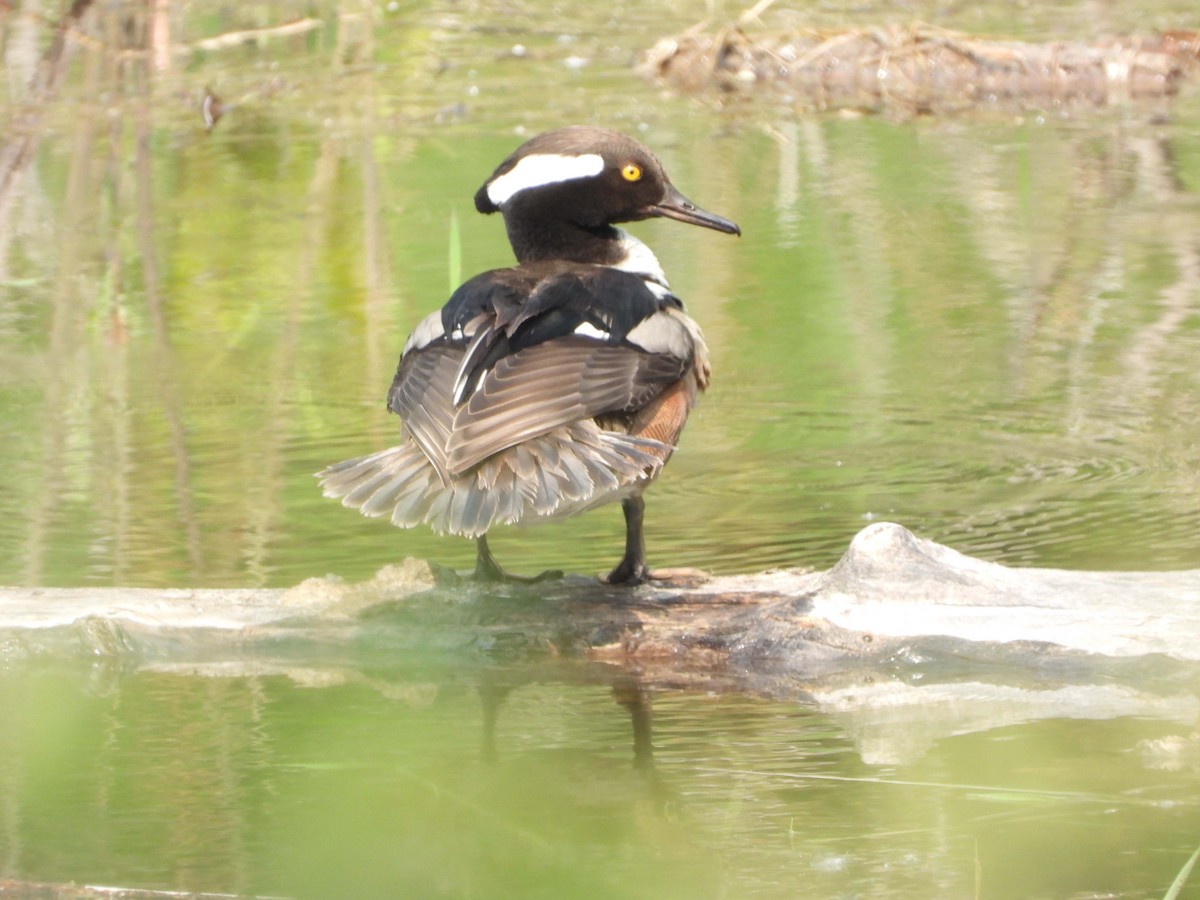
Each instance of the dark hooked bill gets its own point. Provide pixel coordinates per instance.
(676, 206)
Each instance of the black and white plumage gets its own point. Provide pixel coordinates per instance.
(563, 382)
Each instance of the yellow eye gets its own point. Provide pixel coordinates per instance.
(631, 172)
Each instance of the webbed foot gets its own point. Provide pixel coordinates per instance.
(629, 573)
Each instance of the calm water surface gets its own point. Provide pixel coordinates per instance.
(373, 782)
(985, 329)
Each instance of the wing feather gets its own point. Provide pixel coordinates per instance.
(421, 396)
(535, 390)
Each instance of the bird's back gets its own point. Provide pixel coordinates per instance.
(536, 391)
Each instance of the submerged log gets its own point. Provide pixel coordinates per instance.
(920, 69)
(891, 593)
(902, 642)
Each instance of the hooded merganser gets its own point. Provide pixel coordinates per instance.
(563, 382)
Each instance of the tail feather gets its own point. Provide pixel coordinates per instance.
(413, 481)
(571, 468)
(372, 494)
(356, 480)
(577, 473)
(412, 505)
(509, 496)
(438, 511)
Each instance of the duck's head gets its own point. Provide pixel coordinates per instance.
(562, 192)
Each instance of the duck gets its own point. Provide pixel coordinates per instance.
(547, 388)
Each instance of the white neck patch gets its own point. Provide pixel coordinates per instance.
(540, 169)
(640, 260)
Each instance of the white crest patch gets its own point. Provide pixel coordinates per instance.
(540, 169)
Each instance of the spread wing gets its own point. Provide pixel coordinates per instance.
(518, 352)
(554, 383)
(421, 393)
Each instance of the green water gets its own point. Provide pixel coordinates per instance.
(985, 329)
(373, 782)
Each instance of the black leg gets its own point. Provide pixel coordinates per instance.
(632, 569)
(487, 569)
